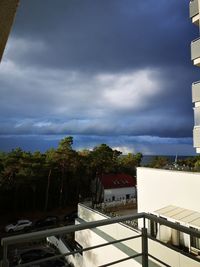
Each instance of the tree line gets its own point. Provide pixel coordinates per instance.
(58, 177)
(191, 163)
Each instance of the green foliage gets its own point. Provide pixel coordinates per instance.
(159, 162)
(128, 163)
(58, 177)
(104, 159)
(197, 165)
(189, 163)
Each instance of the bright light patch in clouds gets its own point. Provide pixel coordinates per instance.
(74, 96)
(130, 90)
(42, 124)
(124, 149)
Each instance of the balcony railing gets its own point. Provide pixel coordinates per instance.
(143, 235)
(196, 137)
(195, 49)
(196, 92)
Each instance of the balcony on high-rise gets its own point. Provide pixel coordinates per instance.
(194, 11)
(196, 138)
(196, 92)
(196, 101)
(195, 51)
(197, 116)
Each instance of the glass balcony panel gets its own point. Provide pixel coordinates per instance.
(197, 116)
(195, 49)
(196, 92)
(196, 137)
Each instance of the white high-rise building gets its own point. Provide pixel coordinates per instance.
(195, 56)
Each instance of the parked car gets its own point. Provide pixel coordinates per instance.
(18, 226)
(70, 217)
(47, 222)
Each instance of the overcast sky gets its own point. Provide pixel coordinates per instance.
(103, 71)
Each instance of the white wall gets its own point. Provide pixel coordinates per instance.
(63, 249)
(110, 253)
(170, 256)
(119, 193)
(159, 188)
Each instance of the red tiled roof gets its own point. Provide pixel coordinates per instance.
(119, 180)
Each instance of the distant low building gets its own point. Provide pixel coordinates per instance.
(118, 187)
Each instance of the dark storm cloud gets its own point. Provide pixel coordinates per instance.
(103, 105)
(106, 68)
(105, 35)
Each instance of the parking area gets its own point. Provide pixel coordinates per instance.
(30, 251)
(36, 223)
(126, 212)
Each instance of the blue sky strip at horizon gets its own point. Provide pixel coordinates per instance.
(109, 71)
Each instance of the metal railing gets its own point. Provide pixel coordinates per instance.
(144, 254)
(195, 48)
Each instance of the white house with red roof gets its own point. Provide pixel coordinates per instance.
(117, 187)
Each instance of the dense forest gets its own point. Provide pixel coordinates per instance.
(58, 177)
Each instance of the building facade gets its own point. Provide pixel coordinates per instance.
(177, 200)
(167, 194)
(118, 187)
(113, 188)
(195, 56)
